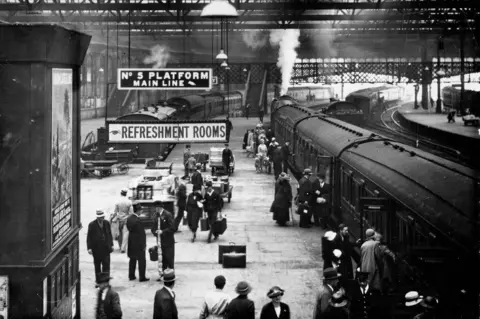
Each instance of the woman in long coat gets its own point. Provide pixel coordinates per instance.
(283, 200)
(194, 211)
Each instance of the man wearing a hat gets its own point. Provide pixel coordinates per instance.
(108, 301)
(164, 306)
(166, 232)
(321, 200)
(227, 158)
(275, 309)
(229, 127)
(216, 302)
(412, 305)
(277, 159)
(364, 301)
(371, 260)
(330, 285)
(186, 155)
(304, 190)
(286, 155)
(123, 209)
(100, 243)
(241, 307)
(429, 305)
(197, 178)
(137, 244)
(212, 205)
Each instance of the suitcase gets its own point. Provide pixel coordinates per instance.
(184, 221)
(204, 226)
(153, 252)
(231, 247)
(220, 226)
(234, 260)
(224, 179)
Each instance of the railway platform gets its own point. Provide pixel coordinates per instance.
(436, 127)
(289, 257)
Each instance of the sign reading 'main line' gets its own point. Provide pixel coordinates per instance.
(205, 132)
(163, 79)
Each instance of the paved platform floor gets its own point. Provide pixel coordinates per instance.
(431, 119)
(286, 256)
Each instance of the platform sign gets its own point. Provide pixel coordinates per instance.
(167, 132)
(164, 79)
(4, 295)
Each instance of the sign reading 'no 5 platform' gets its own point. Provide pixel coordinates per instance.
(163, 79)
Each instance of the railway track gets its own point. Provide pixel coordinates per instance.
(387, 126)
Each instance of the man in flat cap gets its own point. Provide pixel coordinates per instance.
(305, 187)
(123, 209)
(164, 227)
(197, 178)
(137, 244)
(100, 243)
(370, 259)
(227, 158)
(164, 306)
(108, 300)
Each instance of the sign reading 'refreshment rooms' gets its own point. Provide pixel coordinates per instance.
(170, 132)
(163, 79)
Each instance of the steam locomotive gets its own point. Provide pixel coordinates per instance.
(373, 100)
(426, 215)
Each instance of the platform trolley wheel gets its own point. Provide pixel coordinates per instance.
(123, 169)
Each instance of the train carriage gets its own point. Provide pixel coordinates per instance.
(369, 99)
(427, 220)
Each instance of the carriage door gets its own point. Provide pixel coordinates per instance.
(374, 213)
(325, 166)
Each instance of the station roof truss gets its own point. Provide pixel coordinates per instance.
(180, 17)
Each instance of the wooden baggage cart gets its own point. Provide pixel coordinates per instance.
(216, 163)
(202, 158)
(155, 163)
(228, 193)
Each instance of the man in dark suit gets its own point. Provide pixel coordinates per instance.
(342, 242)
(227, 158)
(212, 205)
(108, 302)
(137, 244)
(186, 155)
(365, 303)
(164, 306)
(304, 191)
(229, 128)
(166, 233)
(321, 204)
(285, 156)
(241, 307)
(197, 179)
(100, 243)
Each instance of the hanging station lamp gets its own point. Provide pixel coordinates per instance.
(222, 55)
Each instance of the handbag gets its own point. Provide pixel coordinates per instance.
(153, 252)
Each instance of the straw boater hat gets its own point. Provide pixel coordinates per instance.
(100, 213)
(199, 165)
(369, 233)
(330, 235)
(275, 291)
(337, 253)
(169, 275)
(331, 274)
(307, 171)
(412, 298)
(338, 300)
(243, 288)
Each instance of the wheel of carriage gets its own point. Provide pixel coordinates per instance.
(106, 173)
(123, 169)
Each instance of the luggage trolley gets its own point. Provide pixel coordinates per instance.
(216, 163)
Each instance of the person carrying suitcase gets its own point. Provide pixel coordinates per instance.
(212, 205)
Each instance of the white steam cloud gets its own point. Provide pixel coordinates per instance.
(159, 56)
(288, 42)
(255, 39)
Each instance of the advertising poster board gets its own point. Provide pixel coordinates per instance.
(4, 296)
(61, 156)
